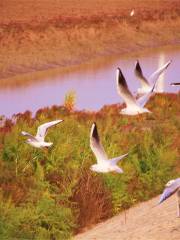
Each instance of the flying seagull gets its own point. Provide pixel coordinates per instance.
(104, 165)
(175, 84)
(133, 106)
(171, 187)
(146, 83)
(38, 140)
(132, 12)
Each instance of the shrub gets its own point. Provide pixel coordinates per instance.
(70, 100)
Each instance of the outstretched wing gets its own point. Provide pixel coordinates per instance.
(123, 90)
(26, 134)
(96, 145)
(170, 190)
(42, 129)
(139, 74)
(145, 98)
(175, 84)
(154, 77)
(115, 160)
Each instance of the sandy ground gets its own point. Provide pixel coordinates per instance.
(143, 222)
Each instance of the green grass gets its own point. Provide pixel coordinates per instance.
(57, 195)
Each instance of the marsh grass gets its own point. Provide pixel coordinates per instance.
(57, 195)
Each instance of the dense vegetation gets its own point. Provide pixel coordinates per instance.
(56, 194)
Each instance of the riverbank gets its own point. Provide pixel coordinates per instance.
(40, 36)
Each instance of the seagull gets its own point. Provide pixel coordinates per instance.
(146, 83)
(38, 140)
(132, 12)
(133, 106)
(171, 187)
(104, 165)
(175, 84)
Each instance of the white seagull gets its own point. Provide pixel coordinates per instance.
(171, 187)
(146, 83)
(104, 165)
(38, 140)
(133, 106)
(132, 12)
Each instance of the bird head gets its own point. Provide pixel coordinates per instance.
(170, 182)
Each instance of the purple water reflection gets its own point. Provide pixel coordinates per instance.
(94, 86)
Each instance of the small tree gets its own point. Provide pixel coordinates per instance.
(70, 99)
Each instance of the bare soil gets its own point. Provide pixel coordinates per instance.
(37, 35)
(142, 222)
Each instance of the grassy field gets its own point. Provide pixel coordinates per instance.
(44, 34)
(57, 195)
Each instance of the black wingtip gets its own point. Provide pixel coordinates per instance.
(94, 132)
(121, 79)
(138, 67)
(175, 84)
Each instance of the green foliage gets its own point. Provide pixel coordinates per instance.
(49, 194)
(44, 220)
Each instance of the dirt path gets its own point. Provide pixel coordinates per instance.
(143, 222)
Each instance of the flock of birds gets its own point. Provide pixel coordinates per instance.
(134, 106)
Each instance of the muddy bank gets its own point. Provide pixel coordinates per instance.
(30, 42)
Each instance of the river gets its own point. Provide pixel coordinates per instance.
(94, 85)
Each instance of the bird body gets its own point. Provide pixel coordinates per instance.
(38, 140)
(133, 106)
(104, 165)
(134, 111)
(173, 186)
(39, 144)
